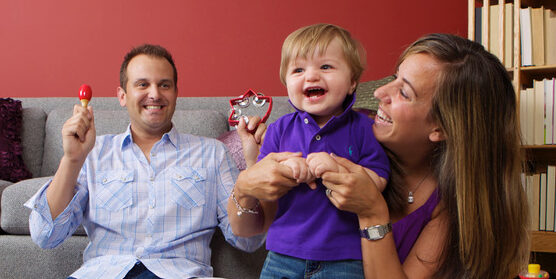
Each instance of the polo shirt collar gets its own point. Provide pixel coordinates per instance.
(350, 100)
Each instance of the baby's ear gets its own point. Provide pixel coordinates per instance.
(352, 88)
(437, 135)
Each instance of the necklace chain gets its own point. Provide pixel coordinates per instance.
(410, 198)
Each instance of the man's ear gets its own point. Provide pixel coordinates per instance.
(121, 96)
(437, 135)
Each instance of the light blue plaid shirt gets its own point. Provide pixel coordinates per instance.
(162, 213)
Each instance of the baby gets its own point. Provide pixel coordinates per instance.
(320, 67)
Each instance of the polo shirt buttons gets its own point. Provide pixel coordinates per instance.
(317, 137)
(306, 121)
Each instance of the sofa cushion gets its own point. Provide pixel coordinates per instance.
(15, 216)
(21, 258)
(32, 138)
(233, 142)
(116, 121)
(12, 167)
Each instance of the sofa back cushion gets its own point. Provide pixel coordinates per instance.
(32, 138)
(206, 123)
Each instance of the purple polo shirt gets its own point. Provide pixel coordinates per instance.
(307, 225)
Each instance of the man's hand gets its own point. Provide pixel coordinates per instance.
(78, 134)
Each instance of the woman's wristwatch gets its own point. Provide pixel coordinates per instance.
(376, 232)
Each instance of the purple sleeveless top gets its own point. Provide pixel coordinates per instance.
(407, 230)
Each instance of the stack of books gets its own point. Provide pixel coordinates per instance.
(536, 113)
(537, 28)
(541, 195)
(538, 36)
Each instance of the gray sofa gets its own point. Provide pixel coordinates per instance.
(42, 149)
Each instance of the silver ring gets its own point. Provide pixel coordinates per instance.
(328, 193)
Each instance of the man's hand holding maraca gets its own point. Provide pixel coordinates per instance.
(78, 133)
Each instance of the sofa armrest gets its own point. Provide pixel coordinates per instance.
(15, 216)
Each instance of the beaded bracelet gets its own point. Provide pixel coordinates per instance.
(241, 209)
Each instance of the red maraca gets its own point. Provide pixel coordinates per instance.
(85, 94)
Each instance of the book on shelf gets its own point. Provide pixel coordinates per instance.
(508, 35)
(548, 111)
(526, 41)
(537, 35)
(550, 36)
(523, 115)
(494, 30)
(530, 116)
(542, 202)
(478, 26)
(533, 191)
(553, 94)
(538, 130)
(550, 196)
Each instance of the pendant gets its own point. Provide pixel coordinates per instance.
(410, 198)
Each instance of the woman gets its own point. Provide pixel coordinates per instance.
(455, 199)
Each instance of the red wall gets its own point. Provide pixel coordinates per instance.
(221, 47)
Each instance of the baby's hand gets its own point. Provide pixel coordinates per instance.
(300, 169)
(321, 162)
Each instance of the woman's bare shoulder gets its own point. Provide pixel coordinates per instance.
(424, 258)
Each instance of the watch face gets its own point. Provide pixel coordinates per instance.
(374, 233)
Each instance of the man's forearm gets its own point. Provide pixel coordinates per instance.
(62, 188)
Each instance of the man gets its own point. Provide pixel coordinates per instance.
(149, 198)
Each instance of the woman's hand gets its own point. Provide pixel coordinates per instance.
(356, 192)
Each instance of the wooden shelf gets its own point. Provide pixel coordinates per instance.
(537, 3)
(536, 72)
(538, 156)
(543, 241)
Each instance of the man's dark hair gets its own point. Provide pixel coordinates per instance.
(150, 50)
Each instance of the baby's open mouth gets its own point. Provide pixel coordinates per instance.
(313, 92)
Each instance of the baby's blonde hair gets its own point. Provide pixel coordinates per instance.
(305, 41)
